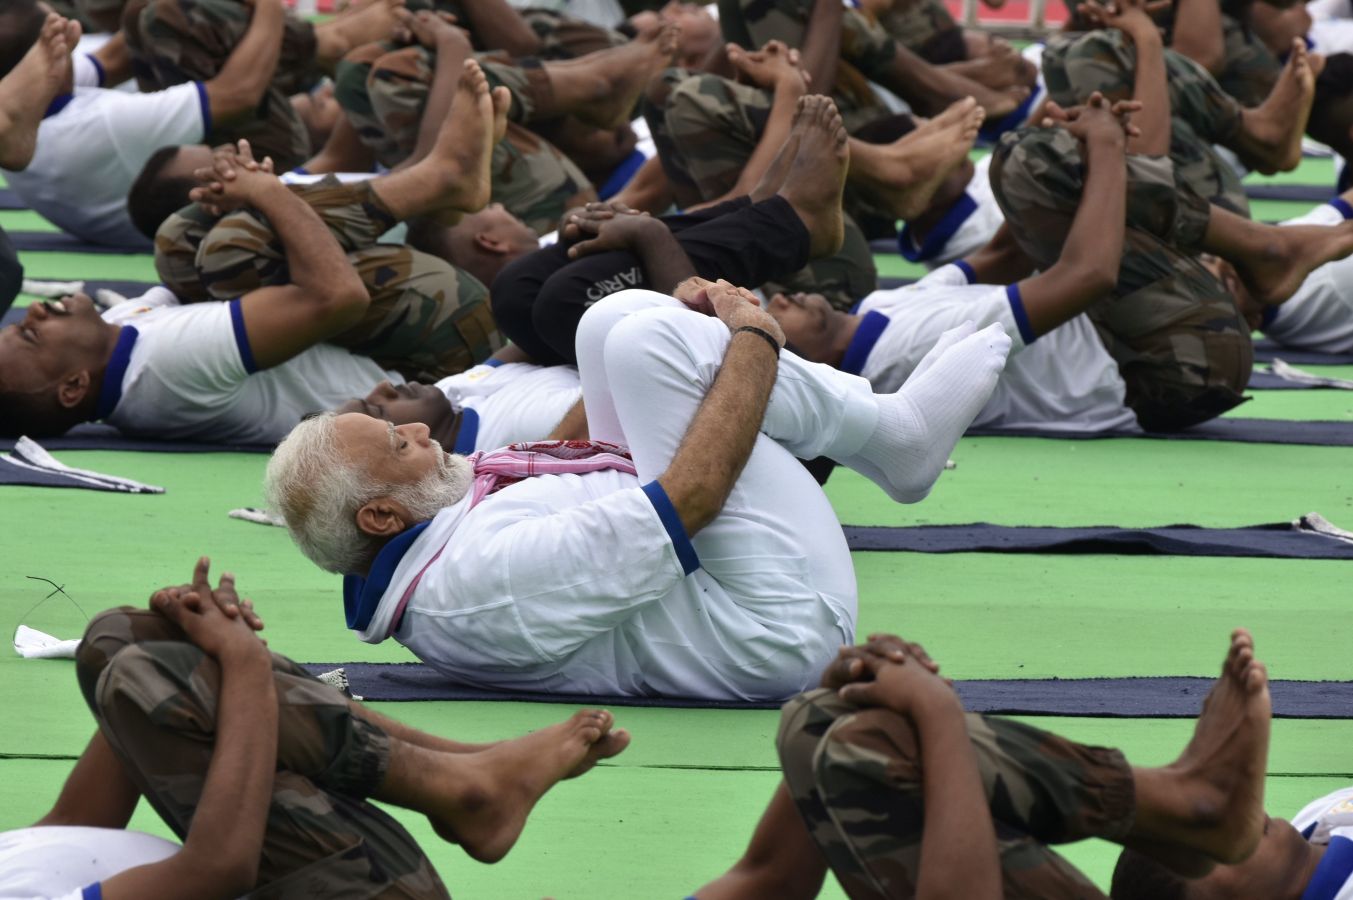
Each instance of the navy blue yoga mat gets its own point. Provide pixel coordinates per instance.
(1301, 193)
(1244, 431)
(1108, 697)
(60, 242)
(10, 200)
(94, 436)
(1266, 351)
(1276, 541)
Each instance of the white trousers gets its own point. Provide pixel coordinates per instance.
(646, 363)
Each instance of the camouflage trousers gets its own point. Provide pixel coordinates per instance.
(155, 695)
(856, 777)
(173, 41)
(426, 320)
(1249, 69)
(565, 37)
(1202, 114)
(11, 273)
(384, 89)
(1177, 334)
(866, 49)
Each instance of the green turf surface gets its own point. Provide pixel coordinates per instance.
(674, 810)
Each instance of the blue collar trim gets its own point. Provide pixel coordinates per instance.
(1343, 207)
(961, 210)
(467, 433)
(993, 130)
(866, 336)
(622, 174)
(1334, 871)
(110, 393)
(57, 105)
(361, 596)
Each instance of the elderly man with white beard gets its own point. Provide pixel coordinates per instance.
(683, 552)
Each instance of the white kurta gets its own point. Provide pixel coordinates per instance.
(1329, 822)
(59, 862)
(503, 403)
(1319, 316)
(588, 583)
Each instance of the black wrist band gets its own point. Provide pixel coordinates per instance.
(760, 332)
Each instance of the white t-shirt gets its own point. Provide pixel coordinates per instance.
(967, 227)
(59, 862)
(1062, 380)
(187, 372)
(1329, 821)
(1331, 36)
(503, 403)
(91, 149)
(1319, 316)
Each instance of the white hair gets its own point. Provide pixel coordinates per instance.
(317, 491)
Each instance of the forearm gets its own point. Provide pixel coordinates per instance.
(822, 44)
(959, 856)
(249, 69)
(773, 138)
(721, 436)
(115, 59)
(232, 812)
(314, 259)
(451, 55)
(496, 25)
(664, 260)
(1151, 89)
(1198, 34)
(97, 793)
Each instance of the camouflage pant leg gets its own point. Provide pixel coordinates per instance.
(565, 37)
(653, 107)
(427, 319)
(526, 80)
(155, 698)
(241, 252)
(926, 28)
(176, 244)
(1178, 336)
(855, 776)
(530, 176)
(89, 12)
(350, 90)
(1202, 114)
(174, 41)
(1249, 69)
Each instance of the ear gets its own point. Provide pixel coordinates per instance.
(72, 390)
(490, 245)
(383, 517)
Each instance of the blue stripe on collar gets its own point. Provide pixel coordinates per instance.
(992, 131)
(1333, 872)
(110, 393)
(467, 433)
(622, 174)
(866, 336)
(961, 210)
(57, 105)
(361, 596)
(966, 268)
(1343, 207)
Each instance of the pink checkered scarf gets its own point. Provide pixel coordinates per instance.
(496, 469)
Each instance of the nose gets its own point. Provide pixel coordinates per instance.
(383, 391)
(415, 431)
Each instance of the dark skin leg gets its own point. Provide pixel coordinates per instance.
(1273, 262)
(780, 863)
(929, 89)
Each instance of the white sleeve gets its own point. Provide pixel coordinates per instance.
(955, 274)
(202, 352)
(577, 573)
(88, 72)
(1330, 213)
(140, 124)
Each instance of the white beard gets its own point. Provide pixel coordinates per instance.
(437, 490)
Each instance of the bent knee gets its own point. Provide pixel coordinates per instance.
(110, 632)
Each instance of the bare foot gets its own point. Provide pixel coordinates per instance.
(510, 778)
(602, 88)
(1279, 263)
(778, 170)
(817, 176)
(1217, 784)
(905, 174)
(30, 87)
(358, 25)
(999, 70)
(455, 176)
(1270, 134)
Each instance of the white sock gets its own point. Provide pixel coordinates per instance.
(945, 341)
(919, 425)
